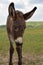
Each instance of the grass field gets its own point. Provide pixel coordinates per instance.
(32, 46)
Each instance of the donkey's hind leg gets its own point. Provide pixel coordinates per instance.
(11, 49)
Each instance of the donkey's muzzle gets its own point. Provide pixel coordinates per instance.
(19, 40)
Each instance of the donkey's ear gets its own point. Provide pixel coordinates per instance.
(29, 14)
(11, 9)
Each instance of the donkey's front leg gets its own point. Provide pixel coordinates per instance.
(11, 50)
(19, 51)
(11, 53)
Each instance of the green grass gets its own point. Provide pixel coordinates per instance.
(33, 39)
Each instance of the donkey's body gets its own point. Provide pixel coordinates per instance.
(15, 29)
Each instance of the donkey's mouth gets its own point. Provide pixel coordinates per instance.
(19, 40)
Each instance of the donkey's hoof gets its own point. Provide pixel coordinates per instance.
(10, 64)
(19, 63)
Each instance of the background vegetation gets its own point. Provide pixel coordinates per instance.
(32, 46)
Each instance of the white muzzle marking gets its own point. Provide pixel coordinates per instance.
(19, 40)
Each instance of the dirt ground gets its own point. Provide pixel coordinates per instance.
(28, 59)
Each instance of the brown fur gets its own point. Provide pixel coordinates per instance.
(15, 28)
